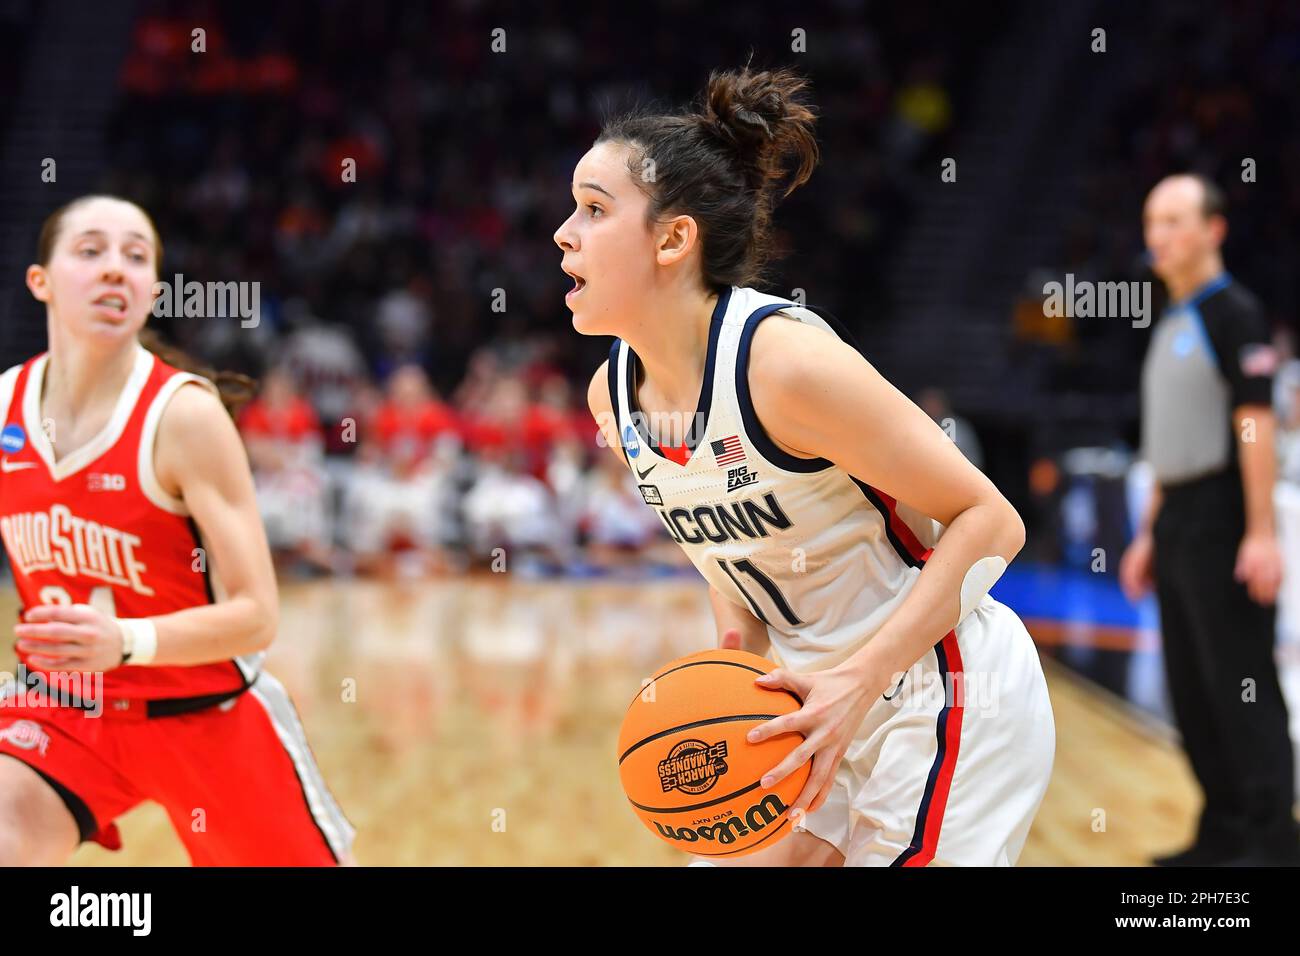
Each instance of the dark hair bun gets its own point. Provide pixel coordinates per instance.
(760, 117)
(721, 160)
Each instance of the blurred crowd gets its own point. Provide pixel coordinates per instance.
(506, 473)
(392, 181)
(391, 175)
(1213, 93)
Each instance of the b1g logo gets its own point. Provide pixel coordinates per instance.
(103, 481)
(693, 766)
(758, 817)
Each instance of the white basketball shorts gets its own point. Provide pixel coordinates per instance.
(951, 769)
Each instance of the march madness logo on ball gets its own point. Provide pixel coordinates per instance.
(693, 766)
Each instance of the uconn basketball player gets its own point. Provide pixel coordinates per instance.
(806, 490)
(148, 597)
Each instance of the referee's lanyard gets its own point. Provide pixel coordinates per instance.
(1184, 343)
(1221, 281)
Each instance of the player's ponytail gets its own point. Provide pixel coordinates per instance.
(723, 164)
(234, 388)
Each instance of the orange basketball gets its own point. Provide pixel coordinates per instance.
(687, 769)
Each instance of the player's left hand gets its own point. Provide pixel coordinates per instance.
(834, 703)
(1259, 567)
(69, 637)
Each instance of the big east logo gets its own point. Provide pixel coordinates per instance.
(739, 477)
(693, 766)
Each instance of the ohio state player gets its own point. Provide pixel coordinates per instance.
(128, 514)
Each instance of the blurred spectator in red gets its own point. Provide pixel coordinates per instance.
(409, 424)
(286, 449)
(509, 507)
(400, 500)
(548, 423)
(327, 362)
(494, 424)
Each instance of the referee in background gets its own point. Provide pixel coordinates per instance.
(1207, 542)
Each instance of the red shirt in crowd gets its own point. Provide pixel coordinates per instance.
(293, 422)
(406, 433)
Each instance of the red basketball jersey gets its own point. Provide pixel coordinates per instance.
(95, 526)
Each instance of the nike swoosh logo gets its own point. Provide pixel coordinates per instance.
(7, 466)
(642, 474)
(896, 689)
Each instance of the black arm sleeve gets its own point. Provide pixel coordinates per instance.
(1240, 335)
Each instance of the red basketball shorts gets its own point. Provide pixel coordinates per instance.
(237, 779)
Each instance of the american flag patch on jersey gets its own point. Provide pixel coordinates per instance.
(728, 451)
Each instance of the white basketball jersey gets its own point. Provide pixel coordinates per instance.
(822, 558)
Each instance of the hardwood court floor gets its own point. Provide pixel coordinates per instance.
(473, 722)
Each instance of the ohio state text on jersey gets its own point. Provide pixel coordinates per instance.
(96, 527)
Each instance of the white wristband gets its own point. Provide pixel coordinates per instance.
(139, 639)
